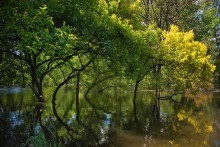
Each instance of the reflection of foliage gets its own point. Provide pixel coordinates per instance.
(39, 140)
(190, 119)
(189, 114)
(90, 128)
(194, 121)
(187, 121)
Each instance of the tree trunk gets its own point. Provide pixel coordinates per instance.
(156, 106)
(134, 100)
(37, 86)
(77, 96)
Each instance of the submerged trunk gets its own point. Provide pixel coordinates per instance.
(156, 108)
(134, 100)
(156, 105)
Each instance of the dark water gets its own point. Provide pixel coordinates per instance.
(107, 119)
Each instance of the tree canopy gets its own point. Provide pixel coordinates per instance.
(131, 39)
(186, 62)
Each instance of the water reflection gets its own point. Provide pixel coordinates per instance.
(107, 119)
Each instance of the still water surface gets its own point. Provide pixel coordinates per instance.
(107, 119)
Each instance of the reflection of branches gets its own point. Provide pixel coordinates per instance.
(170, 97)
(91, 131)
(96, 82)
(96, 107)
(69, 130)
(74, 73)
(37, 113)
(78, 109)
(139, 79)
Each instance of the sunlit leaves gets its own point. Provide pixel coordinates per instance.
(186, 59)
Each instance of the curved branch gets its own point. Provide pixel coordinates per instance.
(71, 75)
(170, 97)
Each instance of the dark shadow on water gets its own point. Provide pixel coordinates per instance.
(107, 119)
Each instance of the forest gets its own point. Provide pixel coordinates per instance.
(168, 47)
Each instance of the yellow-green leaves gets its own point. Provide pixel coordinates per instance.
(43, 10)
(114, 5)
(186, 59)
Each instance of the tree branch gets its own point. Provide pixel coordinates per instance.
(170, 97)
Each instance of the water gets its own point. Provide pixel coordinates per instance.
(107, 119)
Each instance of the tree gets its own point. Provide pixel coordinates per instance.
(197, 15)
(202, 16)
(165, 13)
(46, 39)
(182, 64)
(29, 35)
(186, 59)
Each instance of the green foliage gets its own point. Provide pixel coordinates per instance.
(186, 59)
(55, 43)
(11, 68)
(142, 58)
(30, 35)
(35, 32)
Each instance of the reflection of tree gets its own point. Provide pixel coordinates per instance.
(190, 123)
(12, 126)
(215, 103)
(38, 121)
(69, 129)
(101, 77)
(155, 104)
(79, 124)
(14, 108)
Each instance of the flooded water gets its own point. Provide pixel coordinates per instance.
(107, 119)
